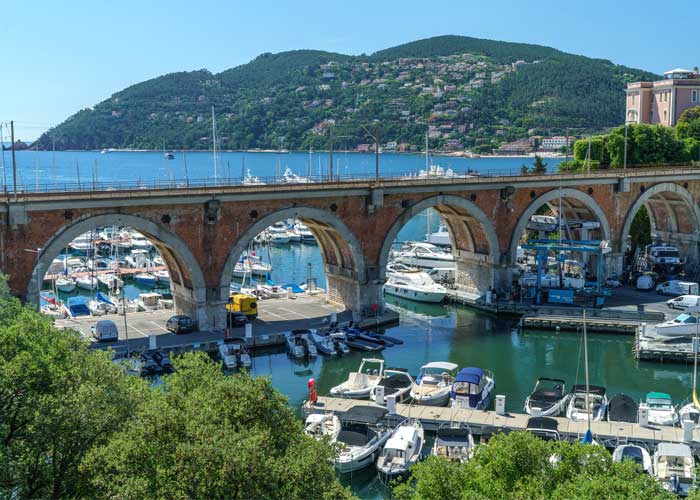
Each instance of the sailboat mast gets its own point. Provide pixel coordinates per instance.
(213, 133)
(585, 358)
(427, 153)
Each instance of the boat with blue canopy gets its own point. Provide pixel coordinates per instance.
(473, 388)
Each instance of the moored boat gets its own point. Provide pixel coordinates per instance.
(360, 383)
(361, 436)
(396, 382)
(473, 388)
(453, 441)
(634, 453)
(660, 408)
(548, 398)
(402, 450)
(434, 383)
(674, 467)
(584, 402)
(322, 426)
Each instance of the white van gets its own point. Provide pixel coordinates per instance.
(684, 302)
(676, 287)
(645, 282)
(104, 331)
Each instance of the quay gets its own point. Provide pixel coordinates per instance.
(485, 423)
(668, 350)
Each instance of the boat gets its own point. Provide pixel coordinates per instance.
(234, 354)
(311, 350)
(324, 344)
(250, 180)
(441, 237)
(295, 345)
(396, 382)
(139, 242)
(584, 402)
(138, 258)
(162, 276)
(361, 436)
(86, 282)
(149, 301)
(320, 426)
(472, 389)
(289, 177)
(660, 408)
(100, 307)
(65, 284)
(83, 244)
(402, 450)
(546, 428)
(454, 442)
(146, 279)
(424, 256)
(169, 155)
(50, 305)
(110, 281)
(548, 398)
(99, 264)
(674, 467)
(249, 265)
(77, 306)
(413, 284)
(305, 233)
(622, 408)
(683, 325)
(278, 234)
(359, 384)
(434, 383)
(355, 343)
(634, 453)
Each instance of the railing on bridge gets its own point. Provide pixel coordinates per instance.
(467, 176)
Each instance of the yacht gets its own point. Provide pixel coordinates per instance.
(162, 277)
(402, 450)
(110, 281)
(289, 177)
(234, 354)
(138, 258)
(251, 265)
(250, 180)
(434, 383)
(424, 256)
(413, 284)
(396, 382)
(65, 284)
(83, 244)
(674, 467)
(441, 237)
(548, 398)
(139, 241)
(683, 325)
(660, 408)
(320, 426)
(86, 282)
(634, 453)
(472, 389)
(361, 436)
(582, 404)
(453, 441)
(359, 384)
(146, 279)
(306, 235)
(278, 234)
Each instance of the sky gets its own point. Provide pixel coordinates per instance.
(60, 57)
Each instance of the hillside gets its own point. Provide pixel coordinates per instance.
(468, 92)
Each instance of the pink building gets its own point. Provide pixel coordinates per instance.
(663, 101)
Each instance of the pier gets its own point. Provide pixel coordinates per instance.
(120, 271)
(485, 423)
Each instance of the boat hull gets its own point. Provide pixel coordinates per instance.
(415, 295)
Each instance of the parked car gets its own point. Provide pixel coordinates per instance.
(684, 302)
(645, 282)
(237, 319)
(677, 287)
(104, 331)
(180, 324)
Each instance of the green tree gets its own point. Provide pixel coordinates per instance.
(520, 466)
(206, 435)
(539, 166)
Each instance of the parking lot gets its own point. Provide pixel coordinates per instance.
(274, 315)
(628, 298)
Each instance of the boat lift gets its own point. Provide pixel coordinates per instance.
(543, 247)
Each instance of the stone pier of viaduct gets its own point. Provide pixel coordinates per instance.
(202, 231)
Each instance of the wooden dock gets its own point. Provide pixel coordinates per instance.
(567, 323)
(485, 423)
(121, 271)
(663, 350)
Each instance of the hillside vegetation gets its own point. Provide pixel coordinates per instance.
(466, 91)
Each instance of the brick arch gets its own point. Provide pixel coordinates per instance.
(182, 265)
(340, 248)
(585, 200)
(668, 194)
(475, 234)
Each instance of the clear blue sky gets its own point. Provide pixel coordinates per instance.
(59, 57)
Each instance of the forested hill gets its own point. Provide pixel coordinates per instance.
(468, 92)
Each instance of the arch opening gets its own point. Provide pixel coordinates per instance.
(470, 264)
(664, 214)
(129, 261)
(305, 247)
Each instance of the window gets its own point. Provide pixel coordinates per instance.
(694, 96)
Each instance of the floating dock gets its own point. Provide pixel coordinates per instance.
(485, 423)
(673, 350)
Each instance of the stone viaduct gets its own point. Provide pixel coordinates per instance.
(202, 231)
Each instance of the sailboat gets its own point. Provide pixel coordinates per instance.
(691, 411)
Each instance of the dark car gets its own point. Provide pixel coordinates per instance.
(237, 319)
(180, 324)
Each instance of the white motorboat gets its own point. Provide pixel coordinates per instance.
(320, 426)
(138, 258)
(278, 234)
(683, 325)
(634, 453)
(110, 281)
(139, 241)
(424, 256)
(453, 441)
(402, 450)
(86, 282)
(289, 177)
(359, 384)
(100, 308)
(149, 301)
(434, 383)
(396, 382)
(146, 279)
(473, 389)
(441, 237)
(361, 436)
(83, 244)
(324, 344)
(305, 233)
(674, 467)
(548, 398)
(57, 266)
(234, 354)
(162, 277)
(413, 284)
(251, 265)
(65, 284)
(581, 404)
(296, 347)
(660, 408)
(250, 180)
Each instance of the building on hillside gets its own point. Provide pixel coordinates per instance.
(555, 143)
(516, 148)
(663, 101)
